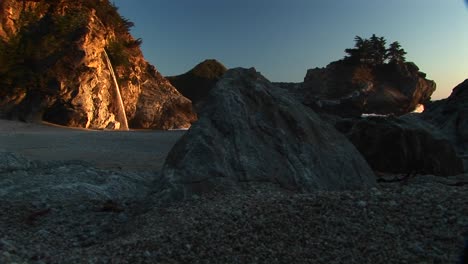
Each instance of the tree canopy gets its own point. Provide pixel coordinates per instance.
(395, 53)
(373, 51)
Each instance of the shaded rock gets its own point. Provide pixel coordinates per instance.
(350, 89)
(59, 182)
(54, 67)
(403, 145)
(251, 131)
(10, 162)
(197, 83)
(451, 117)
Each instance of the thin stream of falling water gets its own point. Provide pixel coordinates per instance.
(122, 115)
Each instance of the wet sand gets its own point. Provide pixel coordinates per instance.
(138, 150)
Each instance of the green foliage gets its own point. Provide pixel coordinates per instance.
(378, 50)
(109, 15)
(70, 22)
(134, 43)
(126, 24)
(361, 51)
(209, 69)
(27, 17)
(395, 53)
(118, 53)
(40, 39)
(44, 34)
(196, 83)
(5, 81)
(3, 51)
(119, 50)
(373, 51)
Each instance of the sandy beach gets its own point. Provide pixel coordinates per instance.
(128, 150)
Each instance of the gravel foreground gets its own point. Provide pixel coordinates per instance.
(423, 220)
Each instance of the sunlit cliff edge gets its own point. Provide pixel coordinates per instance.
(53, 68)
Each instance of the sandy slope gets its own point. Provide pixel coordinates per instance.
(132, 150)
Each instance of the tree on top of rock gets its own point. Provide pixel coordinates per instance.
(378, 49)
(360, 51)
(395, 53)
(368, 51)
(373, 51)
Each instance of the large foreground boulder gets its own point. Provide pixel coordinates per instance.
(405, 144)
(251, 131)
(451, 117)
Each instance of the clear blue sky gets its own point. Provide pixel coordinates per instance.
(284, 38)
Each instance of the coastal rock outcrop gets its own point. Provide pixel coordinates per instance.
(405, 144)
(251, 131)
(350, 89)
(74, 63)
(451, 117)
(197, 83)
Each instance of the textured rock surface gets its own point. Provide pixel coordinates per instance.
(7, 16)
(451, 117)
(196, 83)
(66, 182)
(418, 222)
(251, 131)
(159, 105)
(348, 89)
(259, 222)
(405, 144)
(64, 77)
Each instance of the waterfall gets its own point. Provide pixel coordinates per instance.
(122, 116)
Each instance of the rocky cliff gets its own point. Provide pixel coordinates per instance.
(75, 63)
(451, 117)
(196, 83)
(349, 89)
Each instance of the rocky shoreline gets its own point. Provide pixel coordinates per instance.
(216, 198)
(266, 173)
(74, 212)
(420, 221)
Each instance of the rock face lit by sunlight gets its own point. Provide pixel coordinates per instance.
(419, 109)
(121, 108)
(180, 129)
